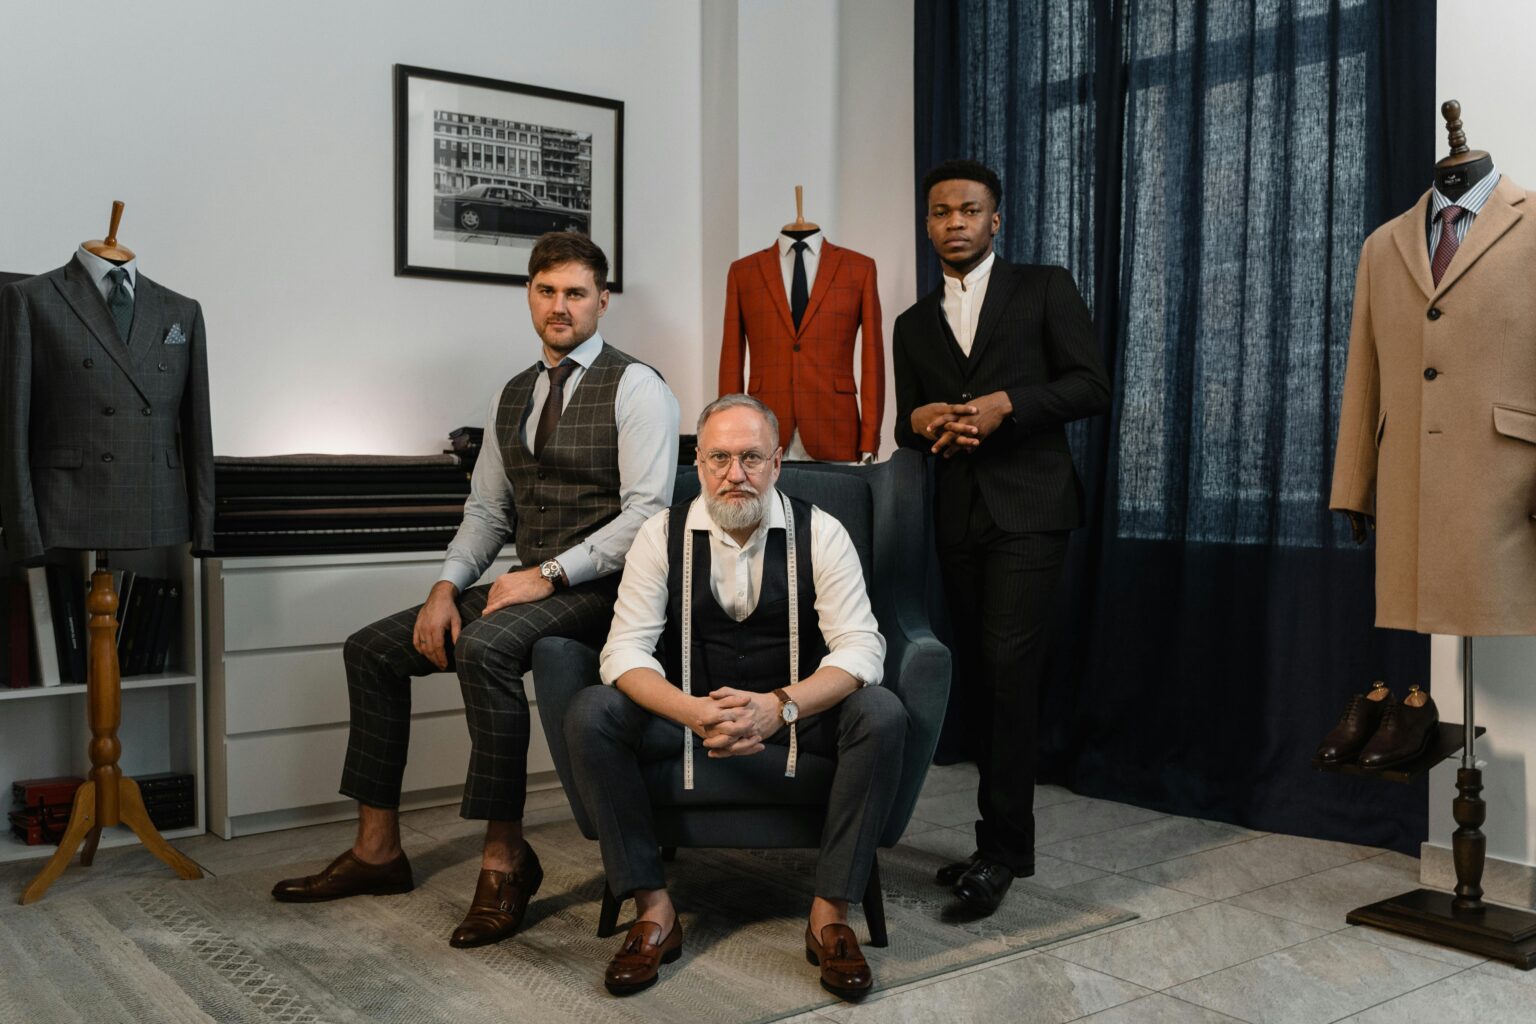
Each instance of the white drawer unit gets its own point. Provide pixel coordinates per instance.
(277, 689)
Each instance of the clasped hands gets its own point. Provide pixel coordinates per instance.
(961, 427)
(735, 723)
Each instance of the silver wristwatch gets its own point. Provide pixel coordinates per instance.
(551, 571)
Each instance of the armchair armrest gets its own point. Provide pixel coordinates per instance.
(561, 668)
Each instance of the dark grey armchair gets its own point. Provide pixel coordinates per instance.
(886, 510)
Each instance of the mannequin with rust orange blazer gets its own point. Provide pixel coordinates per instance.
(803, 369)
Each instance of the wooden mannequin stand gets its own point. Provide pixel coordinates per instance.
(109, 798)
(1461, 920)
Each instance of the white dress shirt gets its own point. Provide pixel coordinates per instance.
(963, 297)
(812, 261)
(847, 624)
(99, 268)
(647, 416)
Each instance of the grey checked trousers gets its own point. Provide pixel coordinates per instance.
(490, 657)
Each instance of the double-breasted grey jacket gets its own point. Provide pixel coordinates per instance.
(105, 444)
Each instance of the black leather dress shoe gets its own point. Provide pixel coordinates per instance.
(1362, 716)
(949, 874)
(1407, 729)
(982, 888)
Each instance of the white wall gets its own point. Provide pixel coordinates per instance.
(1491, 73)
(253, 146)
(815, 93)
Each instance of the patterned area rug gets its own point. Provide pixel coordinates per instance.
(221, 950)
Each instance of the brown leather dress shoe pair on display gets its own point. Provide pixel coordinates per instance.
(347, 876)
(501, 900)
(635, 967)
(1378, 731)
(844, 971)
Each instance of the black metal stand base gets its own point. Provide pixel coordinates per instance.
(1499, 933)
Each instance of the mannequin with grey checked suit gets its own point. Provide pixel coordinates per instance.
(104, 418)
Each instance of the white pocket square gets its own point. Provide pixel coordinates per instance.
(174, 336)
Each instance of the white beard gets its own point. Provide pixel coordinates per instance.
(735, 514)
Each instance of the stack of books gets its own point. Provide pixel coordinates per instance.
(41, 808)
(43, 639)
(170, 799)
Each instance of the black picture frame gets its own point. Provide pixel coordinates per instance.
(483, 166)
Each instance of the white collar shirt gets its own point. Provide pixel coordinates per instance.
(847, 623)
(812, 261)
(963, 297)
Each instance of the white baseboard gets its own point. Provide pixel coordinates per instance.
(1504, 881)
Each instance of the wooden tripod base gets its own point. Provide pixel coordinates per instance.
(109, 798)
(84, 829)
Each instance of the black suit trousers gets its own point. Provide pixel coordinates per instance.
(1000, 586)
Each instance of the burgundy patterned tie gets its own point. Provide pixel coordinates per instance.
(1448, 243)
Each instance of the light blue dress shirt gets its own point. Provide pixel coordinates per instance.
(647, 416)
(99, 268)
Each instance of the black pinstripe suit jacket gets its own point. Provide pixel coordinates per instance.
(1035, 340)
(105, 444)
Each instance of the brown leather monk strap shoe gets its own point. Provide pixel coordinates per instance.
(844, 971)
(347, 876)
(635, 966)
(501, 899)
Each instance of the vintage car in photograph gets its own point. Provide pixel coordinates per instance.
(505, 209)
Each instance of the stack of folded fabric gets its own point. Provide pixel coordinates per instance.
(325, 504)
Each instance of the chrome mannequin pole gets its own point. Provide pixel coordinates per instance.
(1469, 727)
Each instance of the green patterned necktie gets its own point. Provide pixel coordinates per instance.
(120, 302)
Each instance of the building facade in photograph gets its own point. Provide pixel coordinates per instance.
(549, 163)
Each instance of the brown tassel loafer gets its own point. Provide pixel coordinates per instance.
(844, 971)
(347, 876)
(501, 899)
(634, 968)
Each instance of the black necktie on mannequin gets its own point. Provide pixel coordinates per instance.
(120, 302)
(554, 403)
(799, 293)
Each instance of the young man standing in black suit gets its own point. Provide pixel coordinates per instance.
(989, 368)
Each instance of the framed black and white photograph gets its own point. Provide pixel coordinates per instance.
(484, 167)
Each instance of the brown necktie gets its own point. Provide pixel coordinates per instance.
(554, 402)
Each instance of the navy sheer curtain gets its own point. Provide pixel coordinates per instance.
(1208, 172)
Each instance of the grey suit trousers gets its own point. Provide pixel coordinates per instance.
(490, 657)
(610, 737)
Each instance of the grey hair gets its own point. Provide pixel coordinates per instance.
(738, 401)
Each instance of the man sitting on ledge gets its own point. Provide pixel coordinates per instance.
(755, 555)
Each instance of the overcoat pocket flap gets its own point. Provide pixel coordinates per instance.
(1516, 423)
(844, 385)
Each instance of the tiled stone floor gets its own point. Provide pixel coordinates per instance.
(1235, 925)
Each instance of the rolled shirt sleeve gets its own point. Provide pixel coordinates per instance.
(489, 517)
(640, 613)
(647, 415)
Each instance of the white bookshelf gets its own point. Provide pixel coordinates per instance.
(44, 729)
